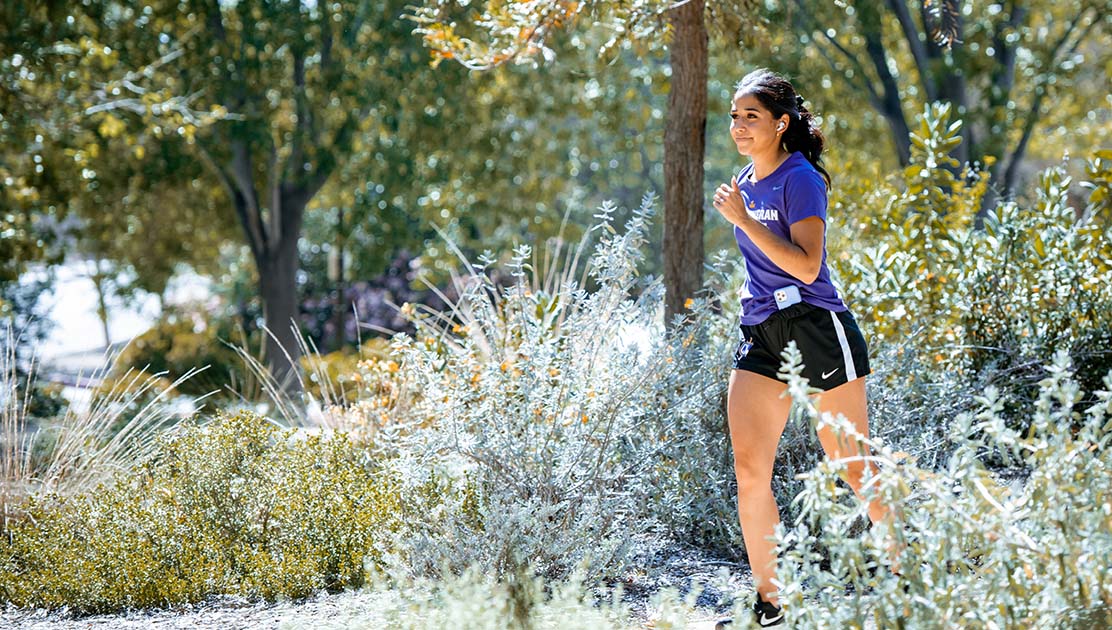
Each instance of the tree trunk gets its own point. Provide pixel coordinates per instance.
(888, 100)
(271, 211)
(277, 264)
(278, 290)
(100, 280)
(897, 124)
(684, 150)
(339, 312)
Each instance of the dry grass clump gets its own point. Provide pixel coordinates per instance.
(83, 445)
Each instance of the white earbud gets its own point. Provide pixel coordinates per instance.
(780, 127)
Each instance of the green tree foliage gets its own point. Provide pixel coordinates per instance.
(515, 32)
(268, 97)
(495, 159)
(81, 170)
(30, 186)
(172, 140)
(152, 213)
(1005, 67)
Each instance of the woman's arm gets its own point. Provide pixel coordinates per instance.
(801, 257)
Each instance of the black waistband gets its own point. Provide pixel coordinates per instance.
(793, 311)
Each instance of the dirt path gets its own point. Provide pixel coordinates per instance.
(330, 611)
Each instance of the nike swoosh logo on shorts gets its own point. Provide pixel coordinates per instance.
(826, 375)
(764, 621)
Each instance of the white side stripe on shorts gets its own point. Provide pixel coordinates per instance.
(851, 371)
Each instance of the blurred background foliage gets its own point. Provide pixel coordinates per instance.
(114, 113)
(100, 126)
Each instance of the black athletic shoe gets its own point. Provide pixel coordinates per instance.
(767, 615)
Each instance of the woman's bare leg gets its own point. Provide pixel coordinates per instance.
(849, 400)
(757, 415)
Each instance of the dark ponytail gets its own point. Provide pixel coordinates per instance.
(779, 97)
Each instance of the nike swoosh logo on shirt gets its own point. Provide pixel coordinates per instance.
(826, 375)
(778, 187)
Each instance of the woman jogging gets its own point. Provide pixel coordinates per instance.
(777, 204)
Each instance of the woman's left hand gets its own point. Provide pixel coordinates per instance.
(729, 203)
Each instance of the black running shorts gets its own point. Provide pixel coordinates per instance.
(833, 348)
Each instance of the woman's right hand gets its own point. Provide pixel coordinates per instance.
(730, 204)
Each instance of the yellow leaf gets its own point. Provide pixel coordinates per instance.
(111, 126)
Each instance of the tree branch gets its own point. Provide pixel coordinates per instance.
(341, 141)
(294, 165)
(892, 107)
(274, 176)
(917, 45)
(243, 178)
(351, 30)
(874, 48)
(1021, 147)
(535, 35)
(178, 104)
(326, 37)
(933, 49)
(234, 196)
(1004, 71)
(814, 26)
(1012, 170)
(864, 85)
(208, 160)
(216, 22)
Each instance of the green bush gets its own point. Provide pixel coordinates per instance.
(974, 550)
(234, 506)
(178, 343)
(990, 303)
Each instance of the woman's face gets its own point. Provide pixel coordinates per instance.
(753, 127)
